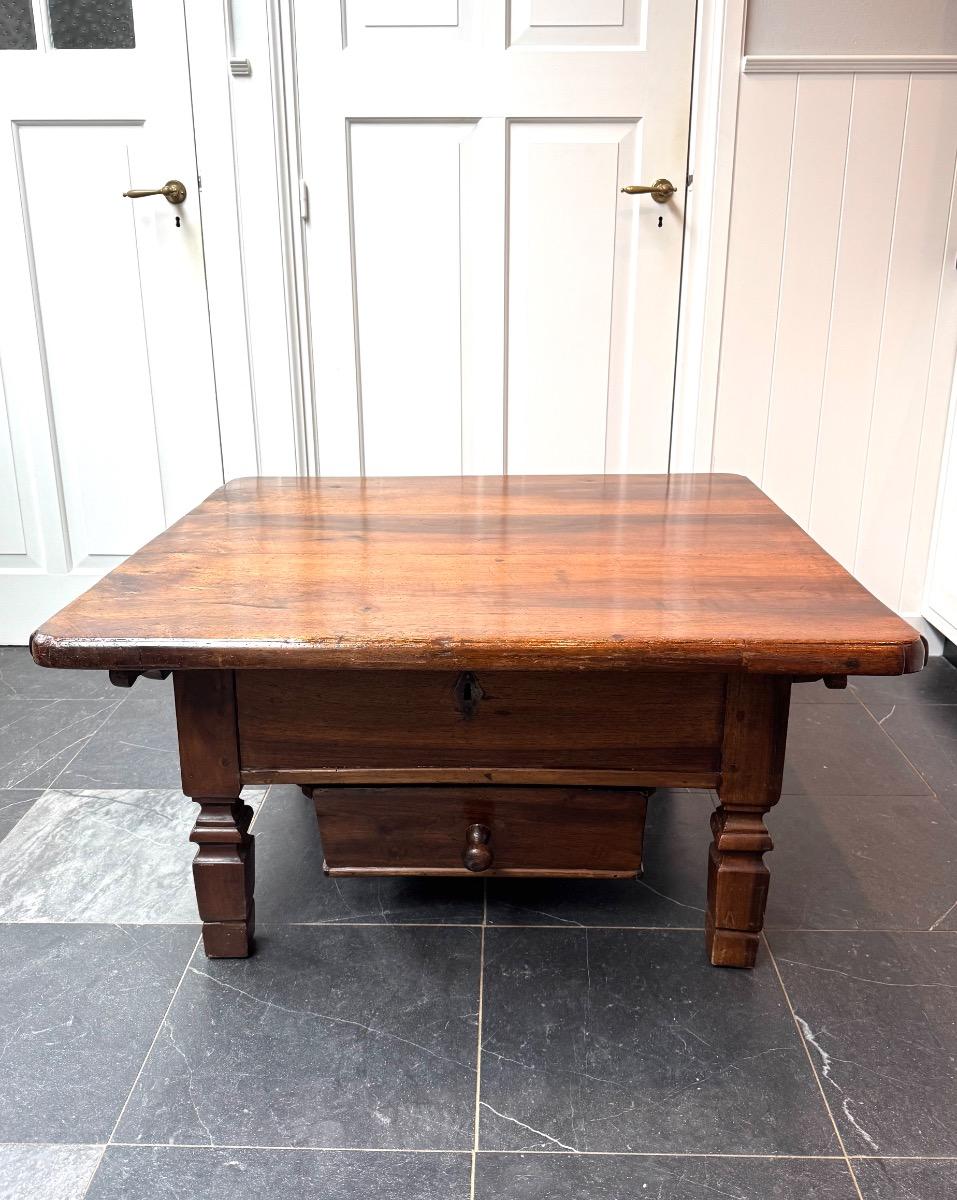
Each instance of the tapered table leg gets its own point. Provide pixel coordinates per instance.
(755, 731)
(223, 869)
(224, 875)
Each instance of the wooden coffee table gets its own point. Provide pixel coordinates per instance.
(483, 675)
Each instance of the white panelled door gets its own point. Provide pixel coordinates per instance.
(482, 295)
(109, 431)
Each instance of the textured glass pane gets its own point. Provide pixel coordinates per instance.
(16, 25)
(91, 24)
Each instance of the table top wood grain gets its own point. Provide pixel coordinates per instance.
(517, 572)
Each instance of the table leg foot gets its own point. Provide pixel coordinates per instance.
(730, 947)
(228, 939)
(224, 875)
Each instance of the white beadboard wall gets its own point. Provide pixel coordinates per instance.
(840, 314)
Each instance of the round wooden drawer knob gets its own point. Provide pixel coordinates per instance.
(478, 854)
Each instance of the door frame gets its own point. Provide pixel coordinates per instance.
(266, 438)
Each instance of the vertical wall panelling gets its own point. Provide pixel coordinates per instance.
(940, 597)
(766, 112)
(941, 380)
(839, 322)
(815, 194)
(857, 309)
(900, 397)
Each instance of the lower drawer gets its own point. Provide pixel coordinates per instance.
(496, 830)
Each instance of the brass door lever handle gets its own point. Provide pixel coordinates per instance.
(661, 190)
(174, 191)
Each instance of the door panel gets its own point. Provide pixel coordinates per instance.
(109, 427)
(482, 297)
(407, 286)
(572, 257)
(87, 294)
(576, 22)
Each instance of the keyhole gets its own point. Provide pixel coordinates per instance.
(660, 221)
(177, 222)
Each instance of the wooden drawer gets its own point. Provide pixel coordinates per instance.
(531, 831)
(309, 726)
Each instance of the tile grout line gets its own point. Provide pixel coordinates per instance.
(159, 1030)
(114, 705)
(813, 1065)
(524, 1153)
(908, 932)
(478, 1051)
(899, 750)
(99, 1163)
(109, 1140)
(504, 925)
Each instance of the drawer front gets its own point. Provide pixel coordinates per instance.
(530, 831)
(557, 720)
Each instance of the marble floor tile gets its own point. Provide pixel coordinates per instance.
(672, 891)
(38, 738)
(148, 1173)
(829, 869)
(20, 676)
(927, 735)
(290, 884)
(121, 855)
(838, 750)
(906, 1179)
(936, 684)
(619, 1040)
(47, 1172)
(879, 1014)
(79, 1007)
(620, 1177)
(329, 1036)
(136, 748)
(14, 804)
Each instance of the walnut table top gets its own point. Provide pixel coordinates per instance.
(529, 572)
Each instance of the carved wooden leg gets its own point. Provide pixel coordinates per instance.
(752, 761)
(737, 886)
(224, 874)
(223, 869)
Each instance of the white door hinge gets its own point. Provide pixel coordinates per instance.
(304, 199)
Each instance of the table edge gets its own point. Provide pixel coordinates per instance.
(892, 657)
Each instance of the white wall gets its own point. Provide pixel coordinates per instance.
(241, 153)
(840, 315)
(851, 27)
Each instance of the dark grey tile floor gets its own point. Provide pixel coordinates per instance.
(457, 1039)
